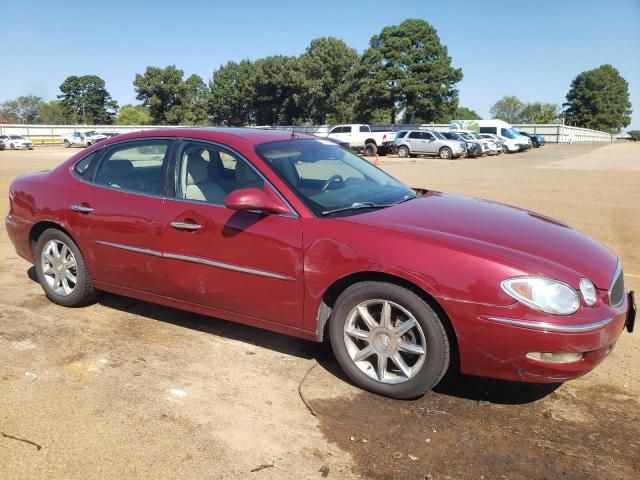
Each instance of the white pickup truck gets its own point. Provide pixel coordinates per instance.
(82, 139)
(360, 137)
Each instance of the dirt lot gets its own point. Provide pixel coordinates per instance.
(126, 389)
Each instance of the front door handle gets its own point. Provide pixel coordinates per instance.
(81, 208)
(185, 225)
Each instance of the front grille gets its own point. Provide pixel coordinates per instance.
(616, 290)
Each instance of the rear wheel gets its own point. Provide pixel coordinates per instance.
(445, 152)
(12, 146)
(403, 152)
(61, 270)
(388, 340)
(505, 149)
(67, 144)
(370, 149)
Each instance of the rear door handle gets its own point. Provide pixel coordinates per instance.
(185, 225)
(81, 208)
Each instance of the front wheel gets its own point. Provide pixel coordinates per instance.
(403, 152)
(388, 340)
(444, 153)
(12, 146)
(67, 144)
(61, 270)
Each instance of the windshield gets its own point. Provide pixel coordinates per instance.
(16, 137)
(327, 177)
(510, 133)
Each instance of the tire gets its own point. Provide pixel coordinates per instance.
(370, 149)
(49, 245)
(67, 144)
(505, 149)
(403, 152)
(444, 153)
(12, 146)
(377, 371)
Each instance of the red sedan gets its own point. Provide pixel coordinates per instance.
(295, 234)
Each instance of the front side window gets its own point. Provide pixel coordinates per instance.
(207, 173)
(336, 130)
(134, 166)
(327, 177)
(364, 128)
(346, 129)
(415, 135)
(428, 136)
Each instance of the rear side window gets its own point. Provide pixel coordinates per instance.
(493, 130)
(83, 167)
(134, 166)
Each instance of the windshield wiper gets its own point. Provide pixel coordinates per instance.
(358, 206)
(361, 205)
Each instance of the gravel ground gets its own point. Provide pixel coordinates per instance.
(127, 389)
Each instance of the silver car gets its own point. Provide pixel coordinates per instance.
(409, 143)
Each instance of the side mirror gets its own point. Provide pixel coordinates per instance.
(254, 199)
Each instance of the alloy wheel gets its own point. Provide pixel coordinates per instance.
(59, 267)
(385, 341)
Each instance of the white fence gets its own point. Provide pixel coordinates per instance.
(552, 133)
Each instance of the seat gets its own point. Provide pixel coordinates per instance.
(119, 174)
(199, 183)
(287, 170)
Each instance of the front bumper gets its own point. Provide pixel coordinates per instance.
(493, 341)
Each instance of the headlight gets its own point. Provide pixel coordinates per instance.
(588, 291)
(545, 294)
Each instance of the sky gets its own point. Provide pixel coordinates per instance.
(528, 49)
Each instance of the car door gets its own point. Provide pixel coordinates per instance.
(416, 144)
(116, 215)
(429, 143)
(244, 262)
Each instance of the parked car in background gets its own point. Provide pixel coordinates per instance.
(409, 143)
(474, 148)
(1, 146)
(508, 145)
(16, 142)
(361, 138)
(294, 234)
(536, 140)
(82, 139)
(491, 146)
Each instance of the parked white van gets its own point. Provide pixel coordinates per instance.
(497, 127)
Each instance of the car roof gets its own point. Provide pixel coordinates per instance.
(254, 136)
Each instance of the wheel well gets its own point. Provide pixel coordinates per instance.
(333, 292)
(370, 140)
(39, 228)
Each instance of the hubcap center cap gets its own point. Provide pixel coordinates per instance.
(383, 343)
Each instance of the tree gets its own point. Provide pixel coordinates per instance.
(464, 113)
(326, 66)
(599, 99)
(277, 87)
(23, 109)
(539, 112)
(407, 69)
(160, 90)
(86, 100)
(231, 94)
(194, 100)
(53, 113)
(508, 108)
(133, 115)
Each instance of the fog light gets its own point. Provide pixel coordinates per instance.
(559, 357)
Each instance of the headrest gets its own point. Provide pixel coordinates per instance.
(118, 168)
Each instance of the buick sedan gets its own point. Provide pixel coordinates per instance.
(294, 234)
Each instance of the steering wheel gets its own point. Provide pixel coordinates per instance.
(334, 178)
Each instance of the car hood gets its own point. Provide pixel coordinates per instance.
(534, 243)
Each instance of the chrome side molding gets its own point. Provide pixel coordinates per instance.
(551, 327)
